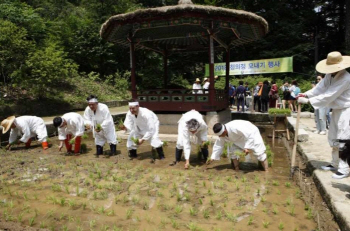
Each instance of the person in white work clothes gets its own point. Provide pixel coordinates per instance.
(70, 126)
(99, 118)
(25, 127)
(241, 135)
(333, 92)
(190, 125)
(143, 125)
(197, 88)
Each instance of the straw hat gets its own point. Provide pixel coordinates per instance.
(197, 80)
(7, 123)
(335, 62)
(205, 79)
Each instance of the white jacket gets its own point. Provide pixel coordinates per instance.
(146, 123)
(184, 134)
(331, 92)
(197, 87)
(103, 117)
(29, 126)
(244, 135)
(75, 125)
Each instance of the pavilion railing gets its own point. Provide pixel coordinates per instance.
(182, 99)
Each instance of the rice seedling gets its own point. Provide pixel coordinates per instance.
(287, 184)
(83, 148)
(178, 209)
(256, 179)
(250, 220)
(174, 224)
(211, 202)
(135, 140)
(210, 193)
(231, 217)
(263, 199)
(298, 194)
(229, 178)
(193, 211)
(206, 144)
(206, 214)
(243, 179)
(200, 201)
(62, 201)
(20, 217)
(31, 221)
(193, 227)
(149, 219)
(83, 205)
(274, 210)
(275, 183)
(98, 127)
(92, 224)
(292, 210)
(196, 190)
(56, 188)
(66, 189)
(204, 184)
(237, 186)
(266, 224)
(42, 225)
(72, 204)
(110, 213)
(219, 215)
(165, 143)
(281, 226)
(85, 136)
(278, 192)
(309, 214)
(129, 213)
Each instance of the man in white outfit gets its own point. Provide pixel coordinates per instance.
(70, 124)
(97, 115)
(190, 124)
(27, 127)
(197, 88)
(241, 135)
(333, 92)
(143, 125)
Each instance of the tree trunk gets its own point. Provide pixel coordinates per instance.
(347, 26)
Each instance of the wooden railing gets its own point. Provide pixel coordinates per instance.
(182, 100)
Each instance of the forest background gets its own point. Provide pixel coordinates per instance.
(51, 51)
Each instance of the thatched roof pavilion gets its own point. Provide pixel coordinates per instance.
(185, 27)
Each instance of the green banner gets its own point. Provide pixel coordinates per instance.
(262, 66)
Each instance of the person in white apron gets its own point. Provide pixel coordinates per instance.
(333, 92)
(69, 125)
(97, 115)
(190, 125)
(143, 125)
(26, 127)
(242, 136)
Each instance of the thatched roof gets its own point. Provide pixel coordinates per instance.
(184, 25)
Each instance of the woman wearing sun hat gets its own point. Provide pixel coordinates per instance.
(27, 127)
(333, 92)
(197, 88)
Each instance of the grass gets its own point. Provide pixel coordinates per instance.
(206, 214)
(277, 111)
(266, 224)
(193, 211)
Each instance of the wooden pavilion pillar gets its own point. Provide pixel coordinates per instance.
(165, 64)
(227, 69)
(132, 67)
(211, 71)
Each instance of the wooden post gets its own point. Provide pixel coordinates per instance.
(165, 64)
(211, 71)
(295, 140)
(132, 67)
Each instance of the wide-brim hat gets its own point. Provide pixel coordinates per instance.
(205, 79)
(7, 123)
(335, 62)
(197, 80)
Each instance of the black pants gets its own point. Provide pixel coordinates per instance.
(240, 102)
(257, 102)
(264, 103)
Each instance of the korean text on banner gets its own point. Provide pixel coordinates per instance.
(262, 66)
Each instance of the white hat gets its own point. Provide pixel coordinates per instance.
(335, 62)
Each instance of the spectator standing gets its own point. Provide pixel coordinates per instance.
(320, 113)
(294, 91)
(240, 94)
(197, 88)
(265, 96)
(231, 94)
(273, 94)
(286, 93)
(256, 96)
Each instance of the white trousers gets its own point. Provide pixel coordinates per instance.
(339, 129)
(154, 140)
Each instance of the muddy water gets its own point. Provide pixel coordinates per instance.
(46, 189)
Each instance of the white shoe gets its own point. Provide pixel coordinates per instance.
(328, 168)
(322, 133)
(316, 132)
(339, 175)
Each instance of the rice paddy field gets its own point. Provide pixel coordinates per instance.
(49, 190)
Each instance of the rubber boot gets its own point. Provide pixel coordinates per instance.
(132, 154)
(45, 145)
(77, 144)
(28, 143)
(160, 153)
(178, 154)
(67, 144)
(99, 150)
(113, 148)
(205, 153)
